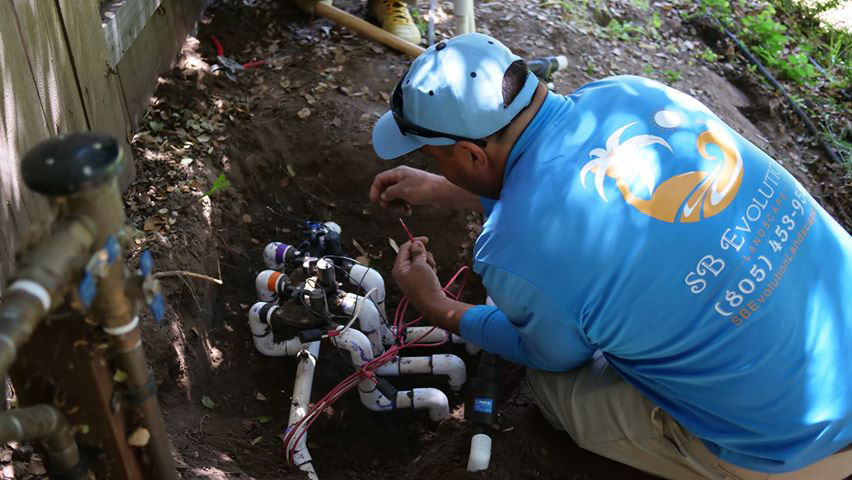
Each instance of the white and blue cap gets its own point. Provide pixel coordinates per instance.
(453, 91)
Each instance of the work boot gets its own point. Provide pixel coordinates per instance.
(307, 6)
(395, 18)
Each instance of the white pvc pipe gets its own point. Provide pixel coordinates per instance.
(356, 343)
(261, 331)
(430, 399)
(452, 366)
(480, 453)
(436, 335)
(440, 364)
(358, 346)
(368, 318)
(269, 284)
(300, 405)
(368, 279)
(464, 17)
(274, 255)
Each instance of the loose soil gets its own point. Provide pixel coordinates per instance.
(293, 139)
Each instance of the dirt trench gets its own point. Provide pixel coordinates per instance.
(293, 141)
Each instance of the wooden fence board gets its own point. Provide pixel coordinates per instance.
(152, 53)
(22, 124)
(99, 87)
(123, 22)
(51, 65)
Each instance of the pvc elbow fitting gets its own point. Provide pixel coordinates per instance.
(430, 399)
(453, 367)
(480, 453)
(368, 279)
(264, 342)
(368, 319)
(357, 344)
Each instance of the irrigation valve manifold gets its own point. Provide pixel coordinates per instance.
(311, 292)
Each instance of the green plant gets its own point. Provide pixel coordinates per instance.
(591, 68)
(421, 22)
(768, 39)
(708, 55)
(641, 4)
(721, 9)
(648, 71)
(672, 76)
(656, 21)
(221, 183)
(622, 31)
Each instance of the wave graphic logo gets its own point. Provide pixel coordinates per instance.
(687, 197)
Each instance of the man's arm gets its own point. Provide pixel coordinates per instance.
(557, 342)
(403, 186)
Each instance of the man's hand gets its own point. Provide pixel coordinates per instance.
(401, 187)
(414, 272)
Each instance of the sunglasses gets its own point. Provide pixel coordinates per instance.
(406, 127)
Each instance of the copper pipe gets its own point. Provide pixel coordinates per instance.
(116, 313)
(45, 273)
(45, 423)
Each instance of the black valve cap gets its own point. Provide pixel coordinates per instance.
(69, 164)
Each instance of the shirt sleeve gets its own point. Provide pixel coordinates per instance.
(487, 205)
(487, 327)
(527, 326)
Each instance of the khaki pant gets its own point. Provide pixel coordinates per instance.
(606, 415)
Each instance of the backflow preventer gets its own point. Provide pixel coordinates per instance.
(303, 301)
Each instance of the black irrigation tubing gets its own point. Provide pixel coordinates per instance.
(843, 91)
(795, 106)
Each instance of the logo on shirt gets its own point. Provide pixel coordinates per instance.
(695, 195)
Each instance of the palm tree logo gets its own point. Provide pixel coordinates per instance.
(631, 160)
(621, 161)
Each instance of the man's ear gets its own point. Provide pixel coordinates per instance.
(469, 151)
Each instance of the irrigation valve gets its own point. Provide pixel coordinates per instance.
(303, 302)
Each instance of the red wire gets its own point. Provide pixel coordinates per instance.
(219, 49)
(367, 371)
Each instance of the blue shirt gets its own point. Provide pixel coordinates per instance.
(633, 221)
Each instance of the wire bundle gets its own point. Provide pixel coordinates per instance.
(295, 432)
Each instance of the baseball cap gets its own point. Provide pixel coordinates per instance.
(453, 91)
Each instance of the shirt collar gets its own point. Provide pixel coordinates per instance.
(531, 133)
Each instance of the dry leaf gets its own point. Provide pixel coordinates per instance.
(260, 397)
(139, 437)
(358, 247)
(246, 218)
(363, 260)
(393, 245)
(310, 98)
(152, 223)
(304, 113)
(120, 376)
(284, 182)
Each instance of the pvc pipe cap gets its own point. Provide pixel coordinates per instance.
(480, 453)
